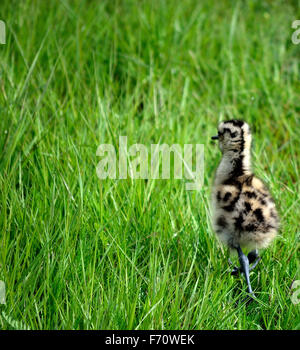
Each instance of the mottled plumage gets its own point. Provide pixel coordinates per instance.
(244, 212)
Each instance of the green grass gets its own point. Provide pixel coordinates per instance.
(80, 253)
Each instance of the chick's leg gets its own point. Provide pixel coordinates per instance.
(253, 258)
(244, 262)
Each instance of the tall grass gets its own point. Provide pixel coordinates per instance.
(80, 253)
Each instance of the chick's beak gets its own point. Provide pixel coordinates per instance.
(215, 137)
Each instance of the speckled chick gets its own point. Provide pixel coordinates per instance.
(244, 213)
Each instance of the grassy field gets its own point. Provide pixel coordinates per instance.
(80, 253)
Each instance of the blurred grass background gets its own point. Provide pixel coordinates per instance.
(80, 253)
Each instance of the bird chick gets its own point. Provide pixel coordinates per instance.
(244, 213)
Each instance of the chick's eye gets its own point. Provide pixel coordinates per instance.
(234, 134)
